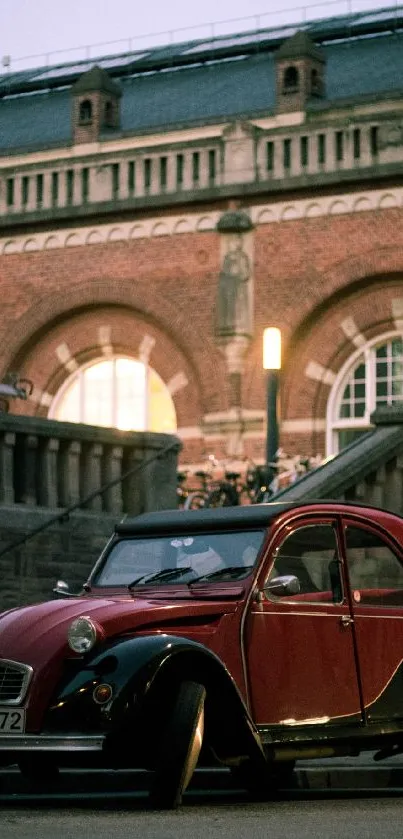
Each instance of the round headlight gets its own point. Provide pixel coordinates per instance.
(82, 635)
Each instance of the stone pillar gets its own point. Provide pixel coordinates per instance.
(77, 186)
(187, 183)
(239, 157)
(138, 177)
(17, 206)
(47, 190)
(171, 173)
(234, 310)
(47, 490)
(112, 471)
(7, 443)
(62, 188)
(123, 179)
(100, 186)
(29, 470)
(133, 485)
(235, 351)
(32, 202)
(69, 474)
(91, 476)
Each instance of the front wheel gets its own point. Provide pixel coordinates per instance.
(180, 748)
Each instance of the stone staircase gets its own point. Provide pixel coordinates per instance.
(369, 471)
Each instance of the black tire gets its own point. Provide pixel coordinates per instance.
(180, 749)
(263, 782)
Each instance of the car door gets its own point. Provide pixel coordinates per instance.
(375, 571)
(298, 649)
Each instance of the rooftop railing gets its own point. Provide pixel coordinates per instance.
(347, 15)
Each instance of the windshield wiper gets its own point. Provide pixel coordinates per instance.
(231, 569)
(166, 573)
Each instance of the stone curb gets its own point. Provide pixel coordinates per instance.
(321, 778)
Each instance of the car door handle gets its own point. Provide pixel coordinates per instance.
(345, 620)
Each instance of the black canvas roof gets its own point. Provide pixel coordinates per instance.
(217, 518)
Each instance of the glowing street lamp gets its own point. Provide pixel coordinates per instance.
(272, 364)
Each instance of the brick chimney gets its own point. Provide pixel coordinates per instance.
(95, 105)
(300, 73)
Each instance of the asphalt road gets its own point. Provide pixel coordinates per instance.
(204, 814)
(114, 806)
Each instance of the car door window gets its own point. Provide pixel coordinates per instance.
(310, 554)
(375, 570)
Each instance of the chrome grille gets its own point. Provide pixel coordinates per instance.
(14, 681)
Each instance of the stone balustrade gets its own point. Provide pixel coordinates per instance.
(44, 463)
(54, 520)
(251, 155)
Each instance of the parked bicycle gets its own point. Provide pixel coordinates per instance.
(252, 487)
(256, 485)
(192, 499)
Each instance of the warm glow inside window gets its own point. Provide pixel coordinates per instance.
(116, 393)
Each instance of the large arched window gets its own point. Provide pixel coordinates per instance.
(372, 378)
(116, 393)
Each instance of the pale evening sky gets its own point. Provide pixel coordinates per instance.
(61, 29)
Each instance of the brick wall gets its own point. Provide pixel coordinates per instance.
(310, 274)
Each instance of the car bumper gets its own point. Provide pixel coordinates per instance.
(51, 743)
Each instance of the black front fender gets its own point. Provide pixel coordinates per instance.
(144, 673)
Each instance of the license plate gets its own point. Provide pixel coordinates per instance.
(12, 720)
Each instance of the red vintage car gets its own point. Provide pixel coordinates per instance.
(245, 637)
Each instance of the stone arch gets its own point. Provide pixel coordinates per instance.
(322, 344)
(313, 332)
(380, 262)
(290, 212)
(31, 245)
(338, 207)
(93, 238)
(47, 313)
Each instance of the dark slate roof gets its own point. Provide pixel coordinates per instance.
(228, 84)
(299, 45)
(96, 79)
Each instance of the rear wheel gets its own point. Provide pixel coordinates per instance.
(180, 747)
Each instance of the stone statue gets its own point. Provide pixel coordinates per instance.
(233, 314)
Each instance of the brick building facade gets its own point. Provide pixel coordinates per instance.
(169, 208)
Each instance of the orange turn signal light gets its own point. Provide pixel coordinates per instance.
(102, 694)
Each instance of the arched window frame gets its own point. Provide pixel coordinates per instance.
(291, 79)
(85, 112)
(366, 352)
(79, 373)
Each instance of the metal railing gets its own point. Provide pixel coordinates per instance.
(296, 15)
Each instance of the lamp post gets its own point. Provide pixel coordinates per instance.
(272, 364)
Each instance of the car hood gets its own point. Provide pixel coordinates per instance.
(37, 634)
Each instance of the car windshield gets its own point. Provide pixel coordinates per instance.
(166, 560)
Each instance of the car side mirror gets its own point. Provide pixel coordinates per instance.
(62, 589)
(282, 586)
